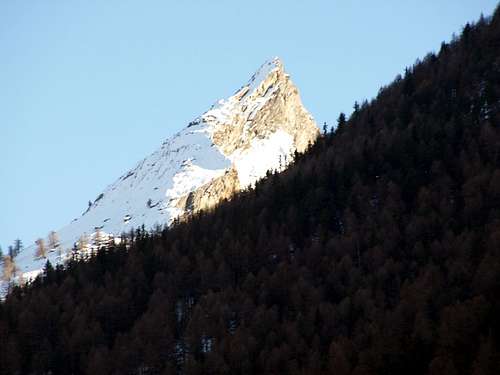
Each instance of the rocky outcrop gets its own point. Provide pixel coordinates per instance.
(208, 195)
(273, 105)
(226, 149)
(258, 111)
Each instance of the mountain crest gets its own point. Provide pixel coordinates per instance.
(227, 148)
(269, 67)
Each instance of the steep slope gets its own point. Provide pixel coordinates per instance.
(229, 147)
(376, 252)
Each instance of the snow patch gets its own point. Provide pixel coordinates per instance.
(148, 193)
(263, 155)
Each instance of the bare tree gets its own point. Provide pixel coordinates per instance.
(9, 268)
(98, 238)
(41, 250)
(59, 251)
(53, 240)
(83, 242)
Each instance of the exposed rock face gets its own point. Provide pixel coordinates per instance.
(208, 195)
(260, 114)
(273, 105)
(228, 148)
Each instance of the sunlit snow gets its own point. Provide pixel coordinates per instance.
(148, 193)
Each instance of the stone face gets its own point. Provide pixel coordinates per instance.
(228, 148)
(273, 106)
(208, 195)
(282, 110)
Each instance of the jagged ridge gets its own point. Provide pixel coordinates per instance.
(229, 147)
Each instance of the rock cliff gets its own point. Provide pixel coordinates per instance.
(228, 148)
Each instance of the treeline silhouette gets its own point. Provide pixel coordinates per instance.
(376, 252)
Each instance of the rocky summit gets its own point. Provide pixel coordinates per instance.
(228, 148)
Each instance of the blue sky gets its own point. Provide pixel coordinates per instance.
(89, 88)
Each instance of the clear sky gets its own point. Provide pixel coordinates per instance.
(88, 88)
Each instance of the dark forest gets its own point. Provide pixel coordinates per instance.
(376, 252)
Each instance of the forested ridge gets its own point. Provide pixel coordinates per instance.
(376, 252)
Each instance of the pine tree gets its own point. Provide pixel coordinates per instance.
(48, 271)
(18, 246)
(341, 121)
(11, 252)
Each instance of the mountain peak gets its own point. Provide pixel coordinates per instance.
(226, 149)
(270, 65)
(265, 70)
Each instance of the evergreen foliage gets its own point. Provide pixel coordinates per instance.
(376, 252)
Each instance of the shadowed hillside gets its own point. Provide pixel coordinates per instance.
(376, 252)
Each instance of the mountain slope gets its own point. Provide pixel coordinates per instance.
(229, 147)
(376, 252)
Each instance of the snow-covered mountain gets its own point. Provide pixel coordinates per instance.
(228, 148)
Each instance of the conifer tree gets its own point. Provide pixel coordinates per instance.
(341, 121)
(18, 246)
(11, 252)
